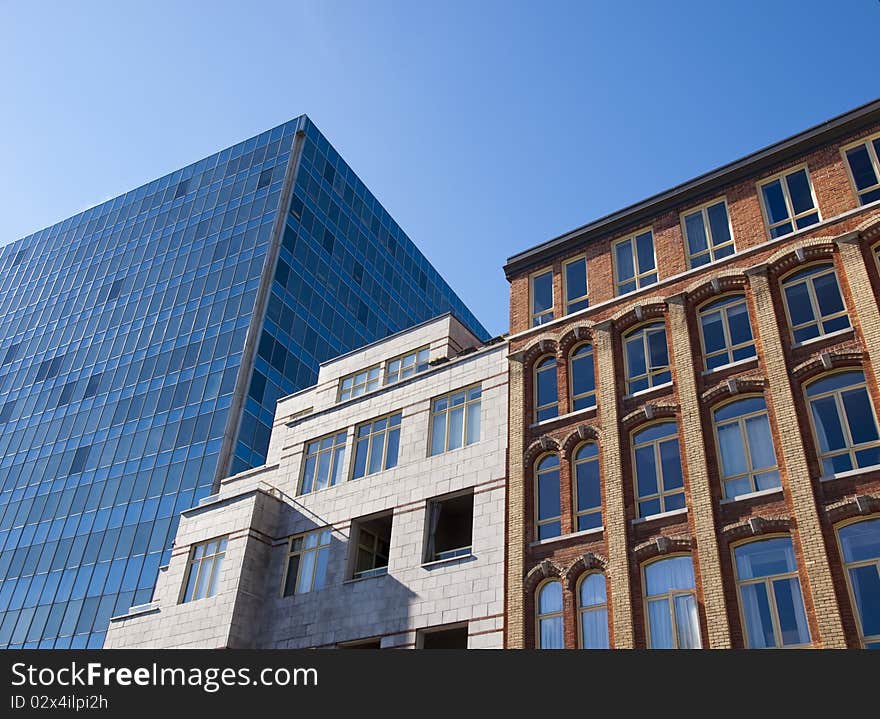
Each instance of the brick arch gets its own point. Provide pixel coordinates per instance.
(583, 433)
(629, 317)
(862, 505)
(733, 387)
(829, 360)
(537, 574)
(582, 332)
(791, 256)
(662, 545)
(724, 282)
(586, 563)
(870, 228)
(757, 526)
(650, 412)
(544, 443)
(538, 348)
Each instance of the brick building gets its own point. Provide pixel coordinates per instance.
(694, 452)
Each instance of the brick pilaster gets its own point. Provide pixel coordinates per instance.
(615, 521)
(516, 509)
(800, 488)
(862, 293)
(701, 506)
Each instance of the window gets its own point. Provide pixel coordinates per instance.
(542, 298)
(6, 410)
(788, 203)
(860, 545)
(588, 493)
(745, 447)
(659, 483)
(844, 422)
(582, 378)
(814, 303)
(770, 594)
(324, 460)
(864, 169)
(376, 445)
(546, 393)
(361, 644)
(550, 616)
(406, 366)
(356, 384)
(10, 354)
(450, 527)
(708, 235)
(92, 386)
(66, 394)
(646, 357)
(726, 332)
(593, 612)
(575, 275)
(445, 638)
(307, 562)
(547, 491)
(372, 539)
(205, 562)
(634, 263)
(672, 604)
(455, 420)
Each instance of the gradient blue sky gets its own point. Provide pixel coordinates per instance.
(484, 127)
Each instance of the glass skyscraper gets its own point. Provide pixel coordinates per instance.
(143, 344)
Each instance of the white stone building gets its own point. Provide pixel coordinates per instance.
(378, 520)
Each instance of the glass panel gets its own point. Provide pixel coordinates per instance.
(550, 599)
(542, 289)
(738, 321)
(546, 377)
(765, 558)
(687, 622)
(861, 167)
(799, 190)
(834, 381)
(739, 408)
(360, 458)
(828, 294)
(456, 427)
(733, 461)
(551, 633)
(790, 608)
(657, 348)
(576, 279)
(321, 569)
(719, 224)
(774, 202)
(549, 530)
(713, 332)
(473, 423)
(305, 575)
(671, 464)
(594, 629)
(635, 356)
(391, 450)
(290, 579)
(827, 422)
(593, 590)
(760, 442)
(583, 373)
(377, 444)
(861, 541)
(548, 495)
(758, 617)
(859, 415)
(668, 574)
(800, 309)
(438, 434)
(624, 260)
(645, 252)
(660, 624)
(866, 589)
(646, 471)
(696, 233)
(588, 491)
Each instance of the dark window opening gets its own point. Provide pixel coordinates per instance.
(92, 386)
(358, 272)
(49, 368)
(265, 178)
(451, 638)
(6, 411)
(372, 542)
(11, 353)
(328, 240)
(450, 527)
(182, 187)
(19, 256)
(115, 289)
(79, 459)
(66, 393)
(365, 644)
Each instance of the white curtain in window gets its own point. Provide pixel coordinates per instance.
(760, 442)
(661, 624)
(687, 622)
(551, 633)
(594, 626)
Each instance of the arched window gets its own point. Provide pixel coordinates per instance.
(814, 303)
(770, 594)
(860, 546)
(844, 422)
(582, 378)
(657, 461)
(549, 605)
(726, 332)
(593, 612)
(547, 510)
(587, 488)
(646, 357)
(671, 604)
(745, 447)
(546, 394)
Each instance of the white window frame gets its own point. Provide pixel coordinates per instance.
(711, 247)
(360, 387)
(371, 546)
(301, 551)
(332, 469)
(792, 217)
(818, 318)
(368, 438)
(447, 413)
(399, 374)
(536, 319)
(212, 563)
(638, 275)
(583, 298)
(868, 142)
(729, 347)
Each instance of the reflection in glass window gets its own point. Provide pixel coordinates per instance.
(745, 446)
(582, 378)
(542, 298)
(770, 594)
(455, 420)
(673, 622)
(376, 445)
(726, 332)
(844, 422)
(575, 274)
(860, 544)
(323, 465)
(206, 561)
(357, 384)
(659, 481)
(549, 613)
(634, 264)
(707, 231)
(814, 303)
(646, 357)
(406, 366)
(546, 393)
(587, 487)
(593, 612)
(864, 166)
(307, 562)
(547, 497)
(788, 203)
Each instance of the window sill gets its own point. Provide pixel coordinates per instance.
(569, 415)
(641, 392)
(570, 535)
(729, 365)
(355, 580)
(751, 495)
(662, 515)
(448, 560)
(850, 473)
(830, 335)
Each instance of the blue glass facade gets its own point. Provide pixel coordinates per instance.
(122, 342)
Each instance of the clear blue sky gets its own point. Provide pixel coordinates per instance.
(484, 127)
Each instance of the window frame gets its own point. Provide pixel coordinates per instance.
(552, 309)
(400, 358)
(429, 540)
(649, 371)
(572, 397)
(792, 217)
(536, 370)
(729, 346)
(818, 318)
(740, 421)
(670, 598)
(344, 473)
(637, 275)
(369, 439)
(575, 462)
(658, 465)
(447, 414)
(549, 615)
(873, 156)
(373, 548)
(316, 550)
(378, 366)
(859, 563)
(536, 498)
(841, 415)
(771, 593)
(581, 610)
(583, 298)
(217, 560)
(703, 209)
